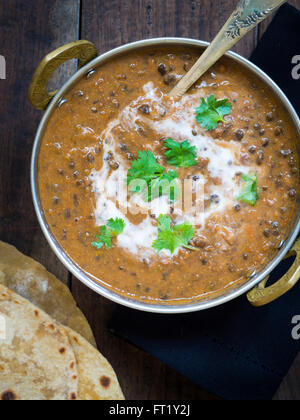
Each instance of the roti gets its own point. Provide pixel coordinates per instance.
(41, 359)
(96, 378)
(37, 361)
(31, 280)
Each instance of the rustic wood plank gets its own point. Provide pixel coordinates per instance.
(29, 30)
(115, 22)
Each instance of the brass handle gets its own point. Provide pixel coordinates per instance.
(246, 16)
(39, 97)
(262, 295)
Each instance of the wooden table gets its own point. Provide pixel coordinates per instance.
(29, 29)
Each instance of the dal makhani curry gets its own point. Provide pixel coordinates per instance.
(117, 135)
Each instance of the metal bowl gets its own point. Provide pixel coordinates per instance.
(40, 99)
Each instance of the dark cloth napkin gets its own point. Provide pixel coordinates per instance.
(276, 50)
(236, 351)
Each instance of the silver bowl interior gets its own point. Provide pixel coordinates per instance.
(107, 291)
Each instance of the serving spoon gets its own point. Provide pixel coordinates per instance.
(247, 15)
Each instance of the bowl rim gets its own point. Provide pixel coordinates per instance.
(80, 274)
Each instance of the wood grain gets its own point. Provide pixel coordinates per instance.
(29, 30)
(112, 23)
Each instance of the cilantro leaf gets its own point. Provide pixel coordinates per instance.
(211, 112)
(163, 185)
(169, 176)
(249, 193)
(180, 154)
(146, 169)
(116, 226)
(113, 228)
(172, 237)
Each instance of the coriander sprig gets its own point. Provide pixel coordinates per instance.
(172, 237)
(147, 169)
(249, 193)
(180, 154)
(113, 228)
(212, 111)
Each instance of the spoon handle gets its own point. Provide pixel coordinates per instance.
(247, 15)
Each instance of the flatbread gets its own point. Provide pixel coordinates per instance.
(31, 280)
(32, 355)
(37, 361)
(97, 379)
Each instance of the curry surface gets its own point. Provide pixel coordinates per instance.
(234, 243)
